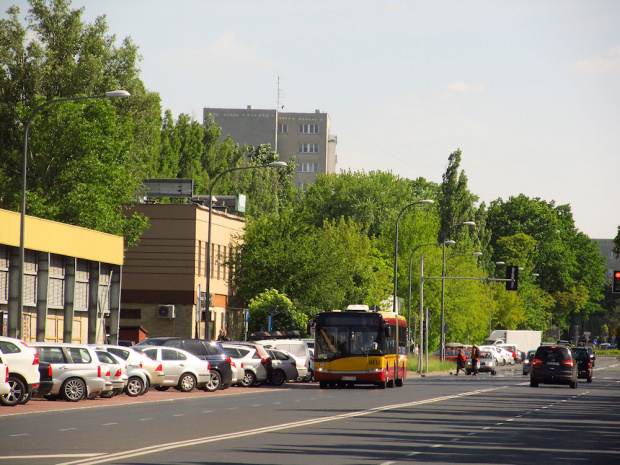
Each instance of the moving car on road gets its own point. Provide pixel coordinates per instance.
(584, 363)
(486, 364)
(554, 364)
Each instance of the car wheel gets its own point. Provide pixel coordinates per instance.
(215, 382)
(107, 394)
(249, 378)
(73, 390)
(590, 379)
(17, 393)
(278, 378)
(533, 383)
(573, 384)
(135, 386)
(26, 398)
(187, 382)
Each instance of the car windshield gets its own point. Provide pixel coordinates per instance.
(581, 355)
(552, 354)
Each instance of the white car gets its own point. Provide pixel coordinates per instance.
(256, 366)
(24, 377)
(182, 370)
(5, 387)
(501, 360)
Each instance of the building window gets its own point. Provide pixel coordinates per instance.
(282, 128)
(131, 313)
(308, 148)
(308, 129)
(308, 167)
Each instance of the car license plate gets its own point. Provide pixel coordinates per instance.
(553, 364)
(349, 378)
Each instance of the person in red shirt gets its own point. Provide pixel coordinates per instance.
(475, 358)
(460, 362)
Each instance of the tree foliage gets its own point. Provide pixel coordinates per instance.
(86, 158)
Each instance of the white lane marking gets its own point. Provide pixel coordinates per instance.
(18, 435)
(67, 429)
(49, 456)
(268, 429)
(145, 419)
(109, 424)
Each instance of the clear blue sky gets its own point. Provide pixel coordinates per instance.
(528, 90)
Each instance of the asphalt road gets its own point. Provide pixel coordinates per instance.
(435, 419)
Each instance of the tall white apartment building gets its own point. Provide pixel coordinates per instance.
(305, 136)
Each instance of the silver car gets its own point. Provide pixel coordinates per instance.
(182, 370)
(76, 371)
(142, 372)
(284, 367)
(256, 365)
(118, 373)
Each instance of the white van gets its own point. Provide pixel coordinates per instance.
(297, 348)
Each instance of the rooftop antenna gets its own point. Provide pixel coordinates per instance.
(279, 94)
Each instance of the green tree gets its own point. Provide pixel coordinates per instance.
(56, 55)
(279, 307)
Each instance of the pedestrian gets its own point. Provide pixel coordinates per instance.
(220, 336)
(460, 362)
(475, 358)
(225, 336)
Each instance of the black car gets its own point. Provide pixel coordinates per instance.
(584, 363)
(554, 364)
(221, 371)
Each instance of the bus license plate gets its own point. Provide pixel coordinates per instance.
(348, 378)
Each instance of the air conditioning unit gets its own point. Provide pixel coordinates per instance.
(166, 311)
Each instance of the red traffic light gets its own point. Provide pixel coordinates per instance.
(615, 285)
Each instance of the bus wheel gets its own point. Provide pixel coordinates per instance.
(323, 384)
(341, 384)
(390, 383)
(399, 382)
(381, 385)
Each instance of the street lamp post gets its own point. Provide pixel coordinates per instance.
(15, 326)
(275, 164)
(409, 313)
(420, 202)
(443, 287)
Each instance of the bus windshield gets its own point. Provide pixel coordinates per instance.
(342, 341)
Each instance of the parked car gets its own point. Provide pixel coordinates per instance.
(182, 370)
(142, 372)
(76, 371)
(118, 373)
(5, 386)
(24, 377)
(584, 363)
(236, 361)
(527, 361)
(221, 371)
(284, 367)
(486, 364)
(554, 364)
(256, 361)
(297, 348)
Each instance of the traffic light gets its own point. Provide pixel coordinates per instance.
(512, 273)
(615, 287)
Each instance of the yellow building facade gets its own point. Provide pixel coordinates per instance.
(72, 281)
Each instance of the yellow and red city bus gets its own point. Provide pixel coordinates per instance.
(359, 346)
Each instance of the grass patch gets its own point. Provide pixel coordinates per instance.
(434, 364)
